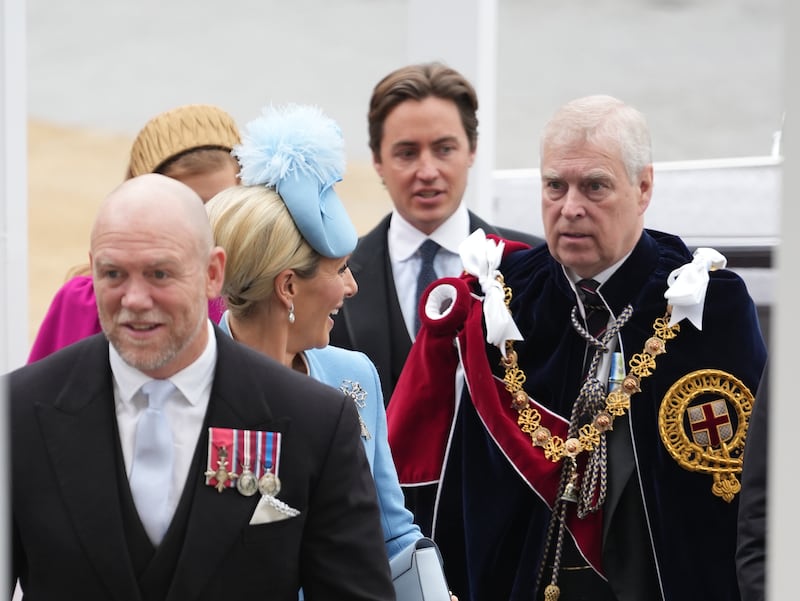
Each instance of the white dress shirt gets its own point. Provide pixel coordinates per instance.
(404, 240)
(185, 408)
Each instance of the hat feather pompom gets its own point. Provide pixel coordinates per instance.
(298, 151)
(293, 140)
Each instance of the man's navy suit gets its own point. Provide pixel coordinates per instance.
(76, 532)
(371, 321)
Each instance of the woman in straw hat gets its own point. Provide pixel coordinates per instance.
(192, 144)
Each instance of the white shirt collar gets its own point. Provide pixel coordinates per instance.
(404, 239)
(190, 381)
(601, 278)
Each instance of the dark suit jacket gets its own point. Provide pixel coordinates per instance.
(371, 321)
(751, 549)
(71, 539)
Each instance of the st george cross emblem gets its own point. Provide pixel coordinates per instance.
(710, 423)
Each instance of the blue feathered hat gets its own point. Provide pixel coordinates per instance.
(299, 152)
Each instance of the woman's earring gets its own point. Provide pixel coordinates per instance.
(291, 314)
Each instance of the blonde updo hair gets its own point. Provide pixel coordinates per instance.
(260, 240)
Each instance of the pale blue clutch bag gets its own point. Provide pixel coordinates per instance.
(417, 573)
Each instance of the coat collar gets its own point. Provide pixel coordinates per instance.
(79, 429)
(375, 309)
(653, 258)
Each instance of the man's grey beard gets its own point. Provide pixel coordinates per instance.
(153, 361)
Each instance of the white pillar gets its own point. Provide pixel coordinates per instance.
(784, 517)
(13, 188)
(463, 34)
(13, 221)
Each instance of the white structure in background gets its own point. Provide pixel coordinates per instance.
(473, 52)
(13, 223)
(728, 204)
(784, 523)
(13, 188)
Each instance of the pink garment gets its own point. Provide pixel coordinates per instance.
(72, 316)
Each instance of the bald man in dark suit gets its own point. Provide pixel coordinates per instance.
(268, 486)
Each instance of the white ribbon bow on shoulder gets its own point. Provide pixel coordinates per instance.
(688, 284)
(481, 257)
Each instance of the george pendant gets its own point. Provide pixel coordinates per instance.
(570, 493)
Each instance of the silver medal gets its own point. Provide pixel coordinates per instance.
(269, 484)
(247, 483)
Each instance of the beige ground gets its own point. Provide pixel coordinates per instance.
(71, 170)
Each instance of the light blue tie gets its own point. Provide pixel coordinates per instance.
(427, 275)
(153, 458)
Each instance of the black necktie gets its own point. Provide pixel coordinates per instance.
(596, 312)
(427, 275)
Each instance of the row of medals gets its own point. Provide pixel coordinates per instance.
(246, 483)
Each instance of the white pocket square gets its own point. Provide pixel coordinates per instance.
(270, 509)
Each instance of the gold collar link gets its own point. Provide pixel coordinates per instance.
(617, 402)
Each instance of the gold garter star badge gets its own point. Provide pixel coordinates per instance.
(703, 424)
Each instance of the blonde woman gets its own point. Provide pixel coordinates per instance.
(287, 238)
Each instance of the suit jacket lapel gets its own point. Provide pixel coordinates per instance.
(79, 429)
(376, 305)
(476, 222)
(216, 519)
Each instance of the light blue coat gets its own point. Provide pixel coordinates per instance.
(337, 367)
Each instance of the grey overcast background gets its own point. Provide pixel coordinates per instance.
(707, 73)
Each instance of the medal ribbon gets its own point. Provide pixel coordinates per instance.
(258, 451)
(272, 451)
(246, 443)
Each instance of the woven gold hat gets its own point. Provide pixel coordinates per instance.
(181, 129)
